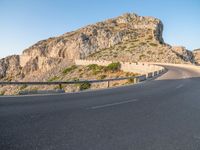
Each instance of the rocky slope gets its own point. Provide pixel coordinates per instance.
(196, 54)
(75, 73)
(127, 38)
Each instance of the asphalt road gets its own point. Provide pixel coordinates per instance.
(162, 114)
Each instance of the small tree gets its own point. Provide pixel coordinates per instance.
(114, 66)
(67, 70)
(95, 68)
(84, 86)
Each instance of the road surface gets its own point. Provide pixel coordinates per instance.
(162, 114)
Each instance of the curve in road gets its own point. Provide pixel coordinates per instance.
(158, 114)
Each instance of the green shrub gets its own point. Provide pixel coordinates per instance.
(114, 66)
(53, 79)
(23, 87)
(103, 76)
(131, 80)
(84, 86)
(153, 44)
(58, 87)
(69, 69)
(75, 79)
(2, 93)
(95, 68)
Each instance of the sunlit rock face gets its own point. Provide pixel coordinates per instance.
(52, 53)
(10, 67)
(196, 54)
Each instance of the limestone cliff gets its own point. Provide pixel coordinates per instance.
(10, 66)
(56, 52)
(196, 54)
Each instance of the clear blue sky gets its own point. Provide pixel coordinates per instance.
(24, 22)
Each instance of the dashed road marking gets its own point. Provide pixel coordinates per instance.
(179, 86)
(113, 104)
(197, 137)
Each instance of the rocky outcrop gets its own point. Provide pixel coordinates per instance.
(143, 50)
(196, 54)
(185, 54)
(10, 67)
(93, 38)
(50, 53)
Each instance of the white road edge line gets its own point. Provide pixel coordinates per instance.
(113, 104)
(179, 86)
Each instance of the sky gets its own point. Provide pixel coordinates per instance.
(24, 22)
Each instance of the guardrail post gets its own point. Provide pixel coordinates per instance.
(147, 75)
(155, 73)
(108, 84)
(60, 86)
(135, 80)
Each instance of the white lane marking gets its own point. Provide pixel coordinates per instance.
(113, 104)
(197, 137)
(179, 86)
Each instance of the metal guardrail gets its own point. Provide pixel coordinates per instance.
(136, 79)
(60, 83)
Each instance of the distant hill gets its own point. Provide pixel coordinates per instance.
(125, 38)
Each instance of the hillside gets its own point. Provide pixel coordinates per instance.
(196, 54)
(76, 73)
(126, 38)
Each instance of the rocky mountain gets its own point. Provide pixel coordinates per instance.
(126, 38)
(196, 54)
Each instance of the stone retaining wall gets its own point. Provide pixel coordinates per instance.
(140, 68)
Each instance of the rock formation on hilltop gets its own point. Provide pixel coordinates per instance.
(129, 37)
(196, 54)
